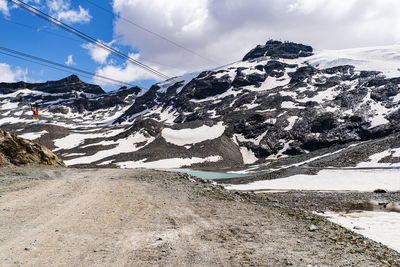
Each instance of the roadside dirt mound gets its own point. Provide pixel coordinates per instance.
(19, 151)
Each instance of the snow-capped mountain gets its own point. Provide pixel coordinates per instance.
(283, 103)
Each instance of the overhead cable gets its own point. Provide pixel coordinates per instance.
(155, 34)
(24, 55)
(86, 37)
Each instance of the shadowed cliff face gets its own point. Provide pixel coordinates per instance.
(19, 151)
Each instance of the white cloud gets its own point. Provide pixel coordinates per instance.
(69, 61)
(128, 72)
(62, 11)
(97, 53)
(72, 16)
(57, 5)
(4, 8)
(225, 30)
(9, 75)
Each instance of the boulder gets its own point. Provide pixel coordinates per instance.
(19, 151)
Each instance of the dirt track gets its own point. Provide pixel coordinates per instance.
(111, 217)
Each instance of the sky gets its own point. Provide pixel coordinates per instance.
(180, 36)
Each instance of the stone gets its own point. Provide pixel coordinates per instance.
(19, 151)
(312, 228)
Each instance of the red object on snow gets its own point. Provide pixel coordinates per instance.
(35, 110)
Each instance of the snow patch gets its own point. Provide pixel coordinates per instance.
(248, 156)
(168, 163)
(375, 158)
(292, 120)
(125, 145)
(6, 105)
(384, 58)
(336, 180)
(193, 136)
(379, 226)
(76, 139)
(290, 104)
(32, 136)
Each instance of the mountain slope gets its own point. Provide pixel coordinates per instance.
(282, 100)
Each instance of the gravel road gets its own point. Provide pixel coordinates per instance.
(116, 217)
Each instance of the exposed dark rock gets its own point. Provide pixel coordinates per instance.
(69, 84)
(301, 74)
(277, 49)
(202, 87)
(380, 191)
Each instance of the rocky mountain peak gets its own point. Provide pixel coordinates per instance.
(69, 84)
(71, 78)
(278, 49)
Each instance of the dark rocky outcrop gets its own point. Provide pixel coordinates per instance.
(69, 84)
(71, 94)
(278, 49)
(206, 85)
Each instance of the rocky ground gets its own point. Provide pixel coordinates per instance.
(19, 151)
(117, 217)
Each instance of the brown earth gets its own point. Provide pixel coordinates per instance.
(19, 151)
(116, 217)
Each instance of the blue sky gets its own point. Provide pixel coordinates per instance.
(219, 32)
(32, 35)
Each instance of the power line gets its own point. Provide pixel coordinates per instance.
(40, 30)
(155, 34)
(14, 52)
(61, 36)
(86, 37)
(51, 67)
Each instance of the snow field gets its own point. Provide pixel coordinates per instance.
(379, 226)
(248, 156)
(375, 158)
(382, 58)
(125, 145)
(167, 163)
(76, 139)
(32, 136)
(331, 180)
(193, 136)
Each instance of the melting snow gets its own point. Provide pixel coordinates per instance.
(379, 226)
(385, 59)
(74, 140)
(193, 136)
(216, 97)
(321, 96)
(290, 104)
(74, 154)
(292, 120)
(357, 180)
(185, 79)
(248, 155)
(168, 163)
(106, 162)
(270, 83)
(255, 141)
(125, 145)
(375, 158)
(32, 136)
(6, 105)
